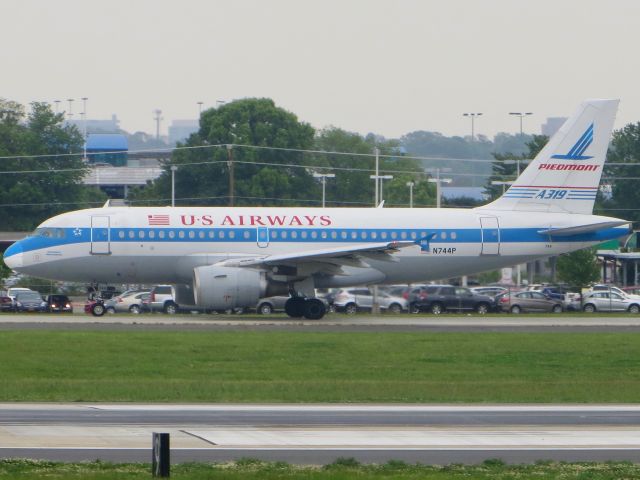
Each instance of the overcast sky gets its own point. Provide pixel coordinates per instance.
(389, 67)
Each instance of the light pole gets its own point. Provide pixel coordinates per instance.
(173, 185)
(219, 103)
(200, 108)
(472, 116)
(57, 102)
(158, 119)
(438, 181)
(410, 185)
(70, 114)
(521, 115)
(324, 177)
(84, 126)
(380, 178)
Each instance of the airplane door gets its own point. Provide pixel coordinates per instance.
(263, 237)
(100, 237)
(490, 236)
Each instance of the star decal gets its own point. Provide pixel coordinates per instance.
(77, 231)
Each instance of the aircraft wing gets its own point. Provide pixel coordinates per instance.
(339, 255)
(593, 227)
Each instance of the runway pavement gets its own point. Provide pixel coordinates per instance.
(318, 434)
(334, 322)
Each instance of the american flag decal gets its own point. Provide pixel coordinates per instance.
(158, 219)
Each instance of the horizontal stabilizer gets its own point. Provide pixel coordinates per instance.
(593, 227)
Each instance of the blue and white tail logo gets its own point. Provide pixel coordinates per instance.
(579, 148)
(565, 175)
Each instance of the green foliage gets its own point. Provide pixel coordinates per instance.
(28, 198)
(489, 277)
(578, 268)
(505, 168)
(256, 469)
(291, 367)
(250, 122)
(625, 148)
(4, 271)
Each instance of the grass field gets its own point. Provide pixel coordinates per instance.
(318, 367)
(344, 469)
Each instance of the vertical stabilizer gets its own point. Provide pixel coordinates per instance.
(565, 175)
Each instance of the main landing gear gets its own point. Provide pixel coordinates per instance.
(309, 308)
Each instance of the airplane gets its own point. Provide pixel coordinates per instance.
(222, 258)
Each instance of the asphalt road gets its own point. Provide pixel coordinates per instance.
(331, 323)
(318, 434)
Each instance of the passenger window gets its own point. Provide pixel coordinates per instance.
(192, 234)
(141, 234)
(172, 234)
(121, 234)
(232, 234)
(274, 234)
(246, 234)
(132, 234)
(152, 234)
(201, 234)
(161, 234)
(181, 234)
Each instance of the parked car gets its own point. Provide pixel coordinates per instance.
(490, 291)
(530, 301)
(30, 301)
(132, 302)
(58, 304)
(162, 299)
(350, 300)
(269, 305)
(614, 289)
(13, 291)
(438, 299)
(605, 301)
(6, 304)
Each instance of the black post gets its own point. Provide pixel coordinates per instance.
(161, 461)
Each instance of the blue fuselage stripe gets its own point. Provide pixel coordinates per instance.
(326, 235)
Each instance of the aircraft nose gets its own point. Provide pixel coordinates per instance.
(13, 256)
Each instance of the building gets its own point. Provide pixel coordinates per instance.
(179, 130)
(552, 125)
(110, 148)
(98, 126)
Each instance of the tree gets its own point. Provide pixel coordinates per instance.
(624, 148)
(203, 173)
(46, 179)
(353, 185)
(578, 268)
(505, 168)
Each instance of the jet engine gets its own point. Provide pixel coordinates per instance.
(222, 288)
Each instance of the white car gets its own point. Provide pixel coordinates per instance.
(350, 300)
(126, 303)
(609, 301)
(614, 289)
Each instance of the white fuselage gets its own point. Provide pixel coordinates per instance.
(164, 245)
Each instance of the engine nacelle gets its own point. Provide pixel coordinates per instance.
(221, 288)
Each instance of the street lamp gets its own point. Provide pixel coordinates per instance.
(410, 185)
(84, 126)
(380, 178)
(200, 109)
(521, 115)
(472, 116)
(324, 177)
(57, 102)
(70, 114)
(219, 103)
(438, 181)
(173, 185)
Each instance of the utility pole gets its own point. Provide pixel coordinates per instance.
(70, 114)
(157, 118)
(231, 174)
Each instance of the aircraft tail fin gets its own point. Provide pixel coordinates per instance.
(565, 175)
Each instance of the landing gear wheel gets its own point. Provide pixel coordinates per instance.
(314, 309)
(98, 310)
(294, 307)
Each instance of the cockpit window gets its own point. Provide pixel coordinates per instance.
(47, 232)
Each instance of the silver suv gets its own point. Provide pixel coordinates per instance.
(161, 298)
(350, 300)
